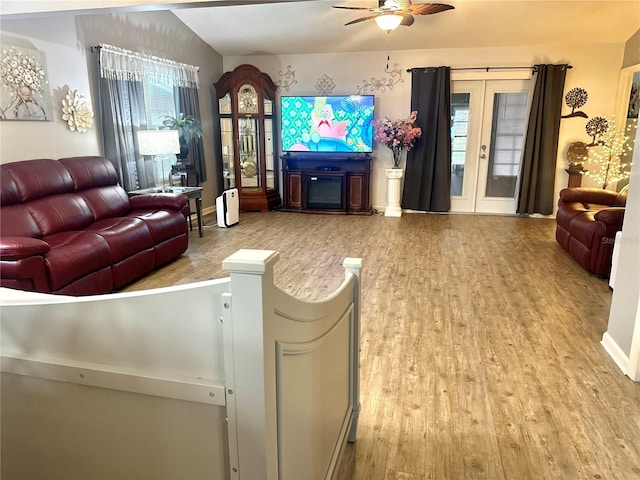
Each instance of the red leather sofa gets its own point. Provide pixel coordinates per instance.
(587, 222)
(67, 227)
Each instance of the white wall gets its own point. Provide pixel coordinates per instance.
(596, 68)
(65, 40)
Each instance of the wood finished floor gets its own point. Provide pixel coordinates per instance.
(480, 343)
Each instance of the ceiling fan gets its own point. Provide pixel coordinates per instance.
(392, 13)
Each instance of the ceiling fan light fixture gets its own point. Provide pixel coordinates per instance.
(388, 21)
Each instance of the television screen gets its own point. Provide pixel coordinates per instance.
(339, 124)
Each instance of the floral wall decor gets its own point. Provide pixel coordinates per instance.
(288, 78)
(24, 92)
(76, 112)
(382, 84)
(575, 98)
(325, 85)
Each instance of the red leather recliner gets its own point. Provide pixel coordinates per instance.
(587, 222)
(67, 227)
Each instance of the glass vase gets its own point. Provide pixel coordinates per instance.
(397, 151)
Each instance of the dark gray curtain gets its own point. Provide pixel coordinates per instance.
(189, 105)
(538, 168)
(122, 114)
(427, 180)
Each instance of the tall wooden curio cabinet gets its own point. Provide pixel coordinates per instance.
(246, 101)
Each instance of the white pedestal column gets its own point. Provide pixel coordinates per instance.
(394, 175)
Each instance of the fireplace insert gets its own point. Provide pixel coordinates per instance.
(326, 191)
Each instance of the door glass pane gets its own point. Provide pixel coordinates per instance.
(226, 132)
(459, 132)
(249, 158)
(507, 136)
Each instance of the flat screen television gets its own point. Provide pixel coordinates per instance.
(335, 123)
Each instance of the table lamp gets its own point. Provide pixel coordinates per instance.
(158, 142)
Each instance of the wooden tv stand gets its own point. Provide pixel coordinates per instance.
(348, 179)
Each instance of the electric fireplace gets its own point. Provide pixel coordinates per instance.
(326, 191)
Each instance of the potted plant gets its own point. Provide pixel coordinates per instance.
(188, 128)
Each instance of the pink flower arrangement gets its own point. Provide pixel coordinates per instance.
(399, 133)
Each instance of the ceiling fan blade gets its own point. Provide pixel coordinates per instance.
(428, 8)
(360, 20)
(407, 20)
(350, 8)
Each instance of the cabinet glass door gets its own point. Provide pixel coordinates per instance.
(228, 170)
(248, 141)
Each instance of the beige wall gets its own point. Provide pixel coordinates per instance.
(632, 51)
(596, 68)
(65, 41)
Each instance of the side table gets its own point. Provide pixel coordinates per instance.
(192, 193)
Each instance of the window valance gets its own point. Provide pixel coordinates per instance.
(121, 64)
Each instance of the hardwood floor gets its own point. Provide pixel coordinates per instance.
(480, 343)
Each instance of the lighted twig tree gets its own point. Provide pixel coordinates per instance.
(611, 145)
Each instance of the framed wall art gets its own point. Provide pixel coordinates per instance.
(24, 85)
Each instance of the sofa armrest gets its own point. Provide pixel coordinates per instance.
(589, 195)
(611, 216)
(16, 248)
(171, 201)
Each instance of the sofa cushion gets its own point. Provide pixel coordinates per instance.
(162, 224)
(9, 193)
(125, 236)
(107, 202)
(74, 255)
(38, 178)
(60, 213)
(89, 172)
(16, 221)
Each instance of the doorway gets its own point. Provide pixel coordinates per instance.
(488, 125)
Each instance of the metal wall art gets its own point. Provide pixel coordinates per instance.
(575, 98)
(76, 112)
(24, 92)
(594, 127)
(383, 84)
(325, 85)
(289, 78)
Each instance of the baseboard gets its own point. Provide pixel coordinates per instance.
(615, 352)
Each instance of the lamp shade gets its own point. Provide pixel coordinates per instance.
(388, 21)
(158, 142)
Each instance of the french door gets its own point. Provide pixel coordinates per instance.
(489, 119)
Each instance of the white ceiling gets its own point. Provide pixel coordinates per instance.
(279, 27)
(315, 27)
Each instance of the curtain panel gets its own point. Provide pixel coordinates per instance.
(538, 166)
(189, 104)
(122, 114)
(428, 174)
